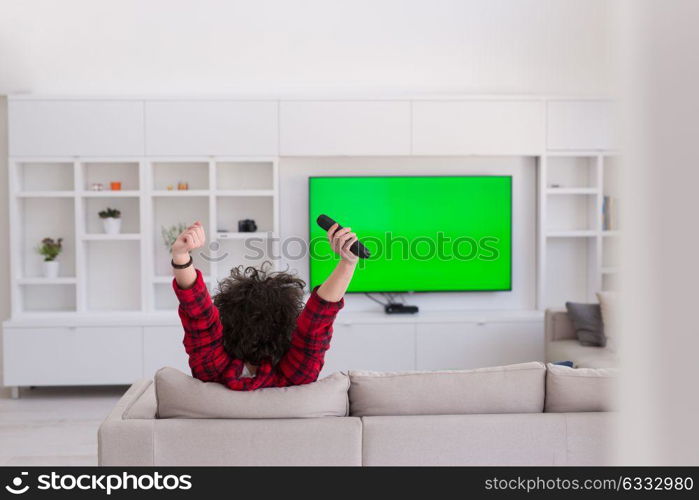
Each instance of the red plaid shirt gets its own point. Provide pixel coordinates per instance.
(203, 341)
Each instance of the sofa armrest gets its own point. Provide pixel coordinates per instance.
(126, 441)
(558, 326)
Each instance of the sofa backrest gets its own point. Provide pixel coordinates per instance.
(558, 326)
(503, 389)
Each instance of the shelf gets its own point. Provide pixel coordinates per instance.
(245, 175)
(171, 173)
(610, 233)
(244, 236)
(181, 192)
(581, 190)
(106, 172)
(46, 194)
(111, 194)
(47, 281)
(45, 176)
(571, 234)
(245, 192)
(110, 237)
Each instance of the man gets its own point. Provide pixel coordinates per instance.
(257, 332)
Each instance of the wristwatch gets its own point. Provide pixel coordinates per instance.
(182, 266)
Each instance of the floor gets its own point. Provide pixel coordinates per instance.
(54, 426)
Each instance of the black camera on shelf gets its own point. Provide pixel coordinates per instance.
(247, 226)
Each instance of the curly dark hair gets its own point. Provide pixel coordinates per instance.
(258, 310)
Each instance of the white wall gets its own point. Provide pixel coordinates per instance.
(217, 46)
(293, 182)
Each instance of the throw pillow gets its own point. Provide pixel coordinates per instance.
(587, 320)
(609, 304)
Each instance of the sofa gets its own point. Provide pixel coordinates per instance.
(525, 414)
(562, 344)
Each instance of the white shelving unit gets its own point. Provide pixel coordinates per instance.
(577, 255)
(129, 272)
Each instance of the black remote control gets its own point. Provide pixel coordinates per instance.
(357, 248)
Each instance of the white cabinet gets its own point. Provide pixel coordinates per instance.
(245, 128)
(581, 125)
(72, 355)
(76, 127)
(162, 346)
(478, 127)
(359, 128)
(382, 347)
(445, 346)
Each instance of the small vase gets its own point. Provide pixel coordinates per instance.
(111, 225)
(51, 269)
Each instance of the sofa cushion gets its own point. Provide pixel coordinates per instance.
(505, 389)
(580, 389)
(582, 356)
(182, 396)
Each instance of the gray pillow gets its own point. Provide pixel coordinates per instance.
(587, 321)
(182, 396)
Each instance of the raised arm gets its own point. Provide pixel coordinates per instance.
(304, 360)
(203, 339)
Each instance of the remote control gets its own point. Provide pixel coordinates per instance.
(357, 248)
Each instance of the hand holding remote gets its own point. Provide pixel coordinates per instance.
(355, 247)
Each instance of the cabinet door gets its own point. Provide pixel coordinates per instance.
(319, 128)
(389, 347)
(446, 346)
(478, 127)
(236, 128)
(72, 356)
(75, 127)
(580, 125)
(162, 346)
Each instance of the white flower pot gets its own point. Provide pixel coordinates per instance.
(50, 269)
(111, 225)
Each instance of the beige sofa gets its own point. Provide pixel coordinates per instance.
(526, 414)
(562, 344)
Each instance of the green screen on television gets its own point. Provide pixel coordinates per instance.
(425, 234)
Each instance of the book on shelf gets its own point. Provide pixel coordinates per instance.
(609, 214)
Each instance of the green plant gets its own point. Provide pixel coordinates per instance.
(171, 233)
(50, 248)
(110, 212)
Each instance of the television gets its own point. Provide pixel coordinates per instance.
(425, 233)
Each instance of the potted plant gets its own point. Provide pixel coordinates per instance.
(50, 249)
(171, 233)
(111, 219)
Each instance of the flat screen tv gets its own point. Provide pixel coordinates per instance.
(425, 234)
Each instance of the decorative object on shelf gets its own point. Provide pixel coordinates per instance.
(170, 187)
(554, 185)
(96, 186)
(115, 185)
(50, 249)
(247, 226)
(171, 233)
(111, 220)
(182, 186)
(609, 214)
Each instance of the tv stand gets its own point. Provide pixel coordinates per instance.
(395, 308)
